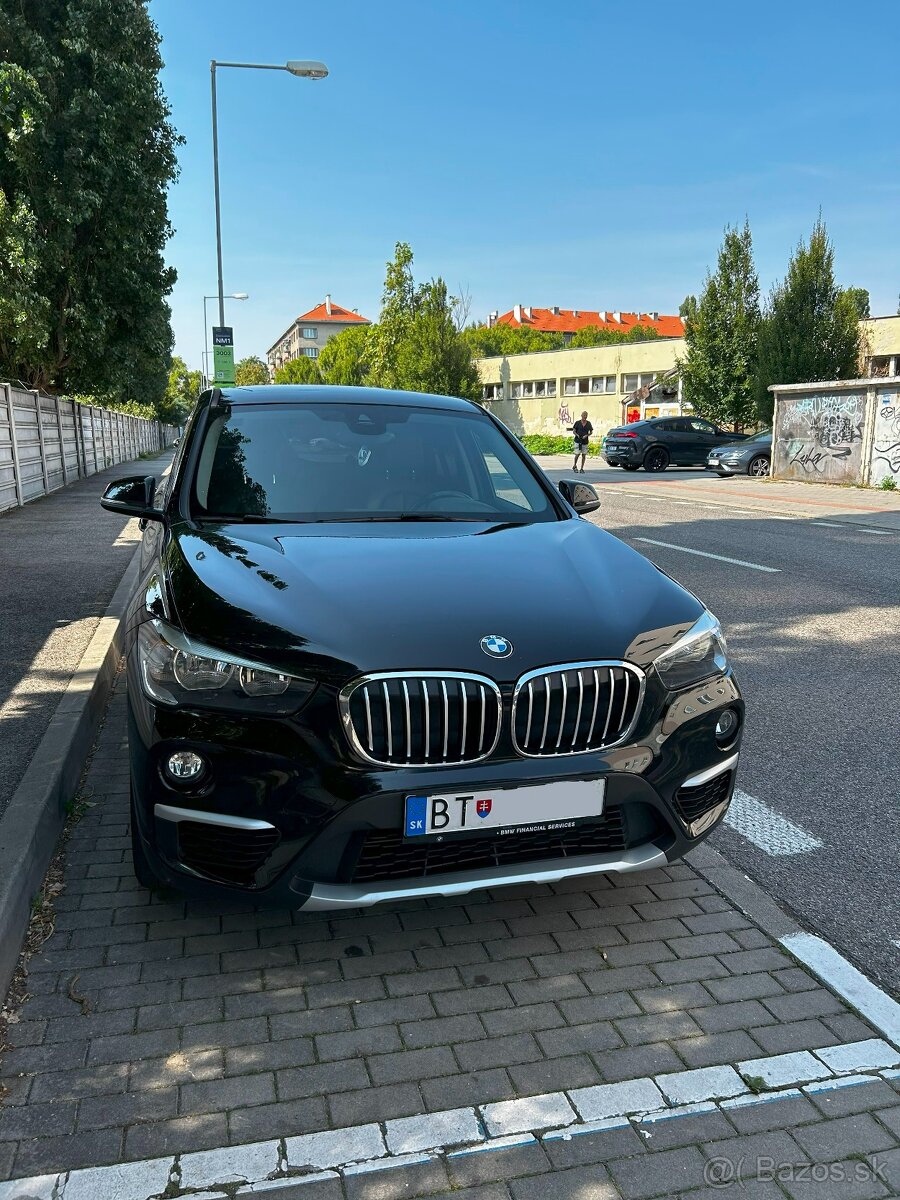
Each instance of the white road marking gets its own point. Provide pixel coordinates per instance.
(738, 562)
(829, 524)
(767, 829)
(880, 532)
(842, 977)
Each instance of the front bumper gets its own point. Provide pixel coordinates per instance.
(284, 818)
(725, 467)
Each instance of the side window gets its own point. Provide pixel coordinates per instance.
(703, 426)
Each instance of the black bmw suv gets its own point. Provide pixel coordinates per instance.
(374, 654)
(664, 441)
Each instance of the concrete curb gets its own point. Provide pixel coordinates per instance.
(31, 825)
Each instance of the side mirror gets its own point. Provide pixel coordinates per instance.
(176, 441)
(582, 496)
(133, 497)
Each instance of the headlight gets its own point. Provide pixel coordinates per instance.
(696, 655)
(175, 670)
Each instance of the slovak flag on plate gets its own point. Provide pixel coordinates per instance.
(483, 807)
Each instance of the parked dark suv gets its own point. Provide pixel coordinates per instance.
(354, 676)
(655, 444)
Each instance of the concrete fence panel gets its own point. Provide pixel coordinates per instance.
(886, 440)
(47, 442)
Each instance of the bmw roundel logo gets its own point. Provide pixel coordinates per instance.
(496, 646)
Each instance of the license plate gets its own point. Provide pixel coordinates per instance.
(713, 462)
(540, 808)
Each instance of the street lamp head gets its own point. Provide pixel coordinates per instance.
(307, 69)
(240, 296)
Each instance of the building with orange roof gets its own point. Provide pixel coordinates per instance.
(568, 321)
(311, 331)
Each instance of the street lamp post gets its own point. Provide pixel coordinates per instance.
(233, 296)
(304, 69)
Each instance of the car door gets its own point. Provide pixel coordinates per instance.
(702, 436)
(677, 440)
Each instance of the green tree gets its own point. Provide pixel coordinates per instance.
(432, 357)
(87, 153)
(499, 341)
(687, 309)
(298, 370)
(250, 370)
(719, 369)
(597, 335)
(182, 390)
(416, 344)
(860, 298)
(344, 359)
(811, 327)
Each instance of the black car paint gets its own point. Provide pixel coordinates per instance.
(632, 446)
(331, 602)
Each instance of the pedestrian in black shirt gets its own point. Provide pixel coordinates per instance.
(582, 430)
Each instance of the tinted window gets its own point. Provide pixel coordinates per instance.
(703, 426)
(357, 461)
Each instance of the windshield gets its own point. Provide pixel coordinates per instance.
(376, 462)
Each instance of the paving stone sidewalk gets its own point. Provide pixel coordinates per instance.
(157, 1026)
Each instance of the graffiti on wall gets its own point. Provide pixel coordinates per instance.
(819, 437)
(886, 448)
(564, 418)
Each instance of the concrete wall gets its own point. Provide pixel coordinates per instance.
(845, 431)
(554, 413)
(47, 442)
(886, 439)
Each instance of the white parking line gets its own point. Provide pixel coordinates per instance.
(829, 524)
(842, 977)
(766, 828)
(738, 562)
(880, 532)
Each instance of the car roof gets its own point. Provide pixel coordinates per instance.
(320, 393)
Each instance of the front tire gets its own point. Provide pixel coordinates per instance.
(656, 459)
(143, 872)
(758, 467)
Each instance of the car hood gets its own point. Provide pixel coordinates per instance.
(336, 600)
(741, 448)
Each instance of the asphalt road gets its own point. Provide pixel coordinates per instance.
(61, 559)
(814, 640)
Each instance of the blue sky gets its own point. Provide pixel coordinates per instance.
(587, 155)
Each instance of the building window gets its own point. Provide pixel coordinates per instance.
(631, 383)
(577, 387)
(311, 351)
(492, 391)
(310, 333)
(601, 384)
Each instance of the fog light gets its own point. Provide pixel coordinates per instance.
(726, 726)
(185, 765)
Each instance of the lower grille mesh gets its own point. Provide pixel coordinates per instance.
(226, 855)
(693, 802)
(385, 855)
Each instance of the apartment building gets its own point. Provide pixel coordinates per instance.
(310, 332)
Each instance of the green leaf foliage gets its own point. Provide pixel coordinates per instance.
(499, 341)
(298, 370)
(182, 390)
(811, 329)
(87, 153)
(597, 335)
(722, 334)
(250, 370)
(860, 298)
(343, 359)
(543, 443)
(416, 344)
